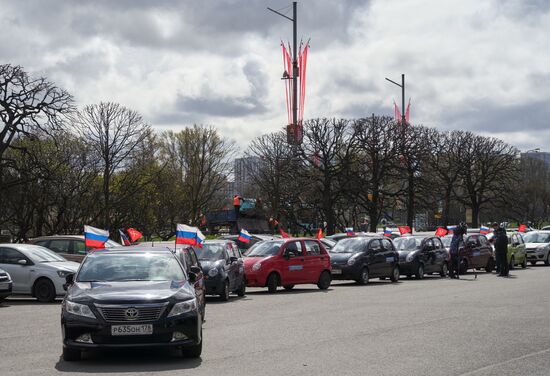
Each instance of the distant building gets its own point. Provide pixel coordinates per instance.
(245, 170)
(540, 155)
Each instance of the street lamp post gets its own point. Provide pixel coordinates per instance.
(402, 86)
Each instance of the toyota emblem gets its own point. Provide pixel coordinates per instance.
(131, 313)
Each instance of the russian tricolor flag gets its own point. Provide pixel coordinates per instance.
(387, 232)
(451, 229)
(95, 237)
(124, 239)
(189, 235)
(349, 231)
(244, 236)
(484, 230)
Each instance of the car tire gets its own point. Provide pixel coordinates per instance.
(547, 261)
(419, 274)
(44, 290)
(194, 351)
(512, 263)
(224, 296)
(71, 355)
(242, 290)
(363, 277)
(288, 287)
(272, 283)
(533, 263)
(395, 274)
(444, 270)
(490, 265)
(524, 263)
(324, 280)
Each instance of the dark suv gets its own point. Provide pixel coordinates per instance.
(131, 297)
(362, 258)
(419, 255)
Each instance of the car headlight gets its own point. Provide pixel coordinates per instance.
(352, 259)
(79, 309)
(63, 273)
(9, 276)
(213, 272)
(257, 266)
(410, 256)
(183, 307)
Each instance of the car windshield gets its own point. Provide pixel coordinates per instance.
(110, 243)
(210, 252)
(113, 267)
(407, 244)
(263, 249)
(350, 245)
(40, 254)
(446, 240)
(537, 237)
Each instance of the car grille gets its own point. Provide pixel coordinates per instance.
(135, 312)
(3, 277)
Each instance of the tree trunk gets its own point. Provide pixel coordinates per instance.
(475, 216)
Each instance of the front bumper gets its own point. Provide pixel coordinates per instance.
(100, 331)
(255, 279)
(5, 289)
(406, 268)
(535, 255)
(213, 285)
(344, 271)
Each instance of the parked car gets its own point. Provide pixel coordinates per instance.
(223, 268)
(327, 243)
(35, 270)
(130, 298)
(477, 253)
(419, 255)
(361, 258)
(70, 247)
(254, 239)
(288, 262)
(537, 246)
(516, 251)
(5, 285)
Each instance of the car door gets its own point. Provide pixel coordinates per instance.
(426, 254)
(521, 248)
(21, 275)
(193, 260)
(471, 251)
(390, 256)
(232, 267)
(293, 263)
(440, 252)
(314, 260)
(376, 259)
(485, 250)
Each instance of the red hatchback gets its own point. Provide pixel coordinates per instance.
(287, 262)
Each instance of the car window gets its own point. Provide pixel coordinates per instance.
(312, 248)
(78, 247)
(193, 257)
(438, 244)
(375, 245)
(387, 244)
(43, 243)
(60, 245)
(231, 250)
(429, 244)
(10, 256)
(294, 248)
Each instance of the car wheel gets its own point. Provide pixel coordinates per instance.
(324, 280)
(419, 271)
(524, 263)
(288, 287)
(363, 277)
(71, 355)
(242, 290)
(547, 261)
(395, 274)
(490, 265)
(44, 290)
(444, 270)
(193, 351)
(272, 283)
(533, 263)
(512, 263)
(225, 293)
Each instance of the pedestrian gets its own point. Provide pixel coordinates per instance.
(456, 243)
(237, 205)
(500, 240)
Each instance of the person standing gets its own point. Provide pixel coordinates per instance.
(237, 205)
(501, 249)
(456, 243)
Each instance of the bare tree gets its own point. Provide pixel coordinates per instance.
(114, 132)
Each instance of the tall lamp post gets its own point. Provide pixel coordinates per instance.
(402, 86)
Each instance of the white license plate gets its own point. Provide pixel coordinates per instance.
(131, 330)
(336, 271)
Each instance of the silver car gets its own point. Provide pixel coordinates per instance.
(537, 246)
(5, 285)
(36, 270)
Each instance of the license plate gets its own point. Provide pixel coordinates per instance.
(336, 271)
(132, 330)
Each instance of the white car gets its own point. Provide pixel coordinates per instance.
(36, 270)
(537, 246)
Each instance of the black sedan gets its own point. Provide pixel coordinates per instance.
(131, 297)
(361, 258)
(419, 255)
(223, 268)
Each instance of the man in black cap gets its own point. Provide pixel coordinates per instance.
(500, 240)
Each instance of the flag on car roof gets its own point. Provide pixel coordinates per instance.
(95, 237)
(186, 235)
(349, 231)
(319, 234)
(441, 231)
(200, 238)
(451, 229)
(244, 236)
(522, 228)
(284, 234)
(387, 232)
(483, 230)
(124, 239)
(404, 230)
(134, 234)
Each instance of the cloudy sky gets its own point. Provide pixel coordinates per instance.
(481, 65)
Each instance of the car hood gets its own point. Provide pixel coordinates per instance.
(207, 265)
(69, 266)
(535, 245)
(338, 258)
(130, 291)
(249, 261)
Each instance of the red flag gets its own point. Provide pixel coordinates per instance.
(283, 234)
(404, 230)
(522, 228)
(396, 113)
(441, 231)
(408, 112)
(134, 234)
(319, 234)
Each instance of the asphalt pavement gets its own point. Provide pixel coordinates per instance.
(483, 326)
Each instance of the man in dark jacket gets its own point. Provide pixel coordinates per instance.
(457, 242)
(500, 240)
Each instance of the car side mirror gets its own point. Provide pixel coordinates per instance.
(192, 277)
(286, 254)
(22, 262)
(233, 259)
(69, 280)
(195, 269)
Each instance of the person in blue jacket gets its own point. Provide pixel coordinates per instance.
(456, 243)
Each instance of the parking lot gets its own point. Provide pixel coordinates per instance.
(483, 326)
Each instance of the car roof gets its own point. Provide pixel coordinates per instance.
(58, 237)
(21, 246)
